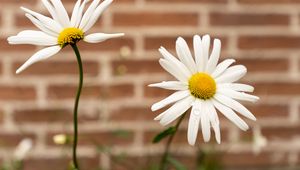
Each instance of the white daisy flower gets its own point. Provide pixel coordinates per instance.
(61, 30)
(204, 86)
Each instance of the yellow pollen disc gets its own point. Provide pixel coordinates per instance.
(70, 36)
(202, 86)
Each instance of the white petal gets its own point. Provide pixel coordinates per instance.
(177, 73)
(75, 13)
(229, 114)
(41, 26)
(51, 10)
(205, 49)
(198, 50)
(171, 85)
(185, 55)
(33, 33)
(80, 13)
(205, 125)
(176, 110)
(234, 105)
(46, 21)
(100, 37)
(222, 67)
(44, 41)
(40, 55)
(168, 56)
(194, 122)
(214, 120)
(170, 99)
(33, 37)
(214, 57)
(232, 74)
(96, 14)
(237, 87)
(237, 95)
(88, 13)
(61, 13)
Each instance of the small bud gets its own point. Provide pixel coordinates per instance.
(60, 139)
(125, 52)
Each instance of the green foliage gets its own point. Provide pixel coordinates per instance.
(164, 134)
(176, 164)
(208, 160)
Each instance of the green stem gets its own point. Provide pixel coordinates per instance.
(163, 162)
(75, 121)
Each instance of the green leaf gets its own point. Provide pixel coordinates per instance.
(163, 134)
(177, 165)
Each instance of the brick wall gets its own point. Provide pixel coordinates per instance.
(264, 35)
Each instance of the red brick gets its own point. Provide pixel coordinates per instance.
(272, 2)
(269, 110)
(135, 19)
(153, 43)
(1, 116)
(119, 1)
(109, 92)
(136, 67)
(22, 21)
(264, 65)
(190, 1)
(268, 42)
(290, 89)
(1, 68)
(99, 138)
(49, 116)
(134, 113)
(240, 19)
(9, 93)
(58, 68)
(248, 159)
(11, 140)
(59, 163)
(32, 2)
(286, 133)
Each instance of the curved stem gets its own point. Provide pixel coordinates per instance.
(163, 162)
(75, 121)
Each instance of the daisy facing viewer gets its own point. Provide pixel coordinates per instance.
(204, 86)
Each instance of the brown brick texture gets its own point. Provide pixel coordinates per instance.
(114, 112)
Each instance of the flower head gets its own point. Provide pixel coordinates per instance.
(61, 30)
(22, 149)
(204, 86)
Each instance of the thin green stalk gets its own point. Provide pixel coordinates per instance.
(163, 162)
(75, 121)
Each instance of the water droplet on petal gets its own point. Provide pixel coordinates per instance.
(196, 112)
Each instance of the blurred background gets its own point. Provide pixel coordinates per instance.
(116, 124)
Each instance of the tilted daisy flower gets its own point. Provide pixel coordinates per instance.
(61, 30)
(204, 86)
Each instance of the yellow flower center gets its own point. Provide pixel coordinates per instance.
(70, 36)
(202, 86)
